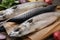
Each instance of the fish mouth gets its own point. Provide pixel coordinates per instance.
(13, 34)
(16, 33)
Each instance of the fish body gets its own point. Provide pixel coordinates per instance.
(18, 9)
(33, 12)
(35, 23)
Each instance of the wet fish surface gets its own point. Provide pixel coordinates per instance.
(18, 9)
(33, 12)
(36, 22)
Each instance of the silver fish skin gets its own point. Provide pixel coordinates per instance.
(37, 22)
(18, 9)
(33, 12)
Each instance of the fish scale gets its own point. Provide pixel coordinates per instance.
(28, 27)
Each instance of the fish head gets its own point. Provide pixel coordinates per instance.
(22, 29)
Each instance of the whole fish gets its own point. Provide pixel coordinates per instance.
(33, 24)
(16, 10)
(10, 12)
(33, 12)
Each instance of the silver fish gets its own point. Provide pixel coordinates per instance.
(37, 22)
(18, 9)
(28, 14)
(33, 12)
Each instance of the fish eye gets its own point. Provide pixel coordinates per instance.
(17, 29)
(14, 7)
(20, 32)
(30, 20)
